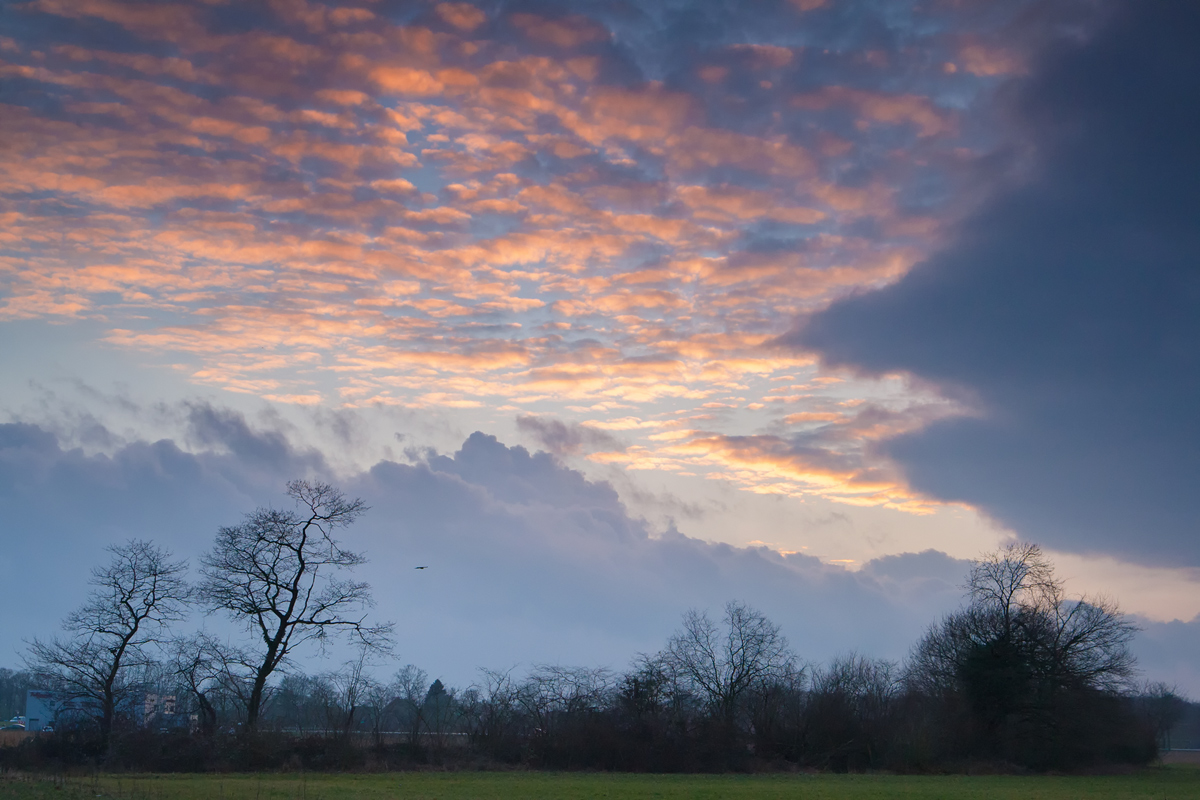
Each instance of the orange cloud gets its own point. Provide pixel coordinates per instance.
(727, 202)
(981, 59)
(877, 107)
(463, 16)
(173, 22)
(406, 81)
(771, 465)
(567, 32)
(421, 218)
(342, 97)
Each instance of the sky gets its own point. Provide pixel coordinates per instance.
(610, 310)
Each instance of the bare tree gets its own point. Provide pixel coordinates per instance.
(200, 662)
(777, 713)
(353, 685)
(278, 573)
(136, 595)
(1164, 708)
(848, 709)
(305, 703)
(440, 710)
(409, 687)
(1020, 613)
(1015, 578)
(656, 696)
(1023, 661)
(722, 664)
(14, 687)
(491, 710)
(1082, 641)
(552, 694)
(377, 707)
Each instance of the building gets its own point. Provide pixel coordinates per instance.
(45, 708)
(48, 709)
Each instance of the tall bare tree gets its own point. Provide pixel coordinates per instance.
(280, 574)
(135, 596)
(721, 664)
(1164, 708)
(849, 704)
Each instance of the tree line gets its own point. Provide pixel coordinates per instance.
(1021, 675)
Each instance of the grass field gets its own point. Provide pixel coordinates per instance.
(1162, 783)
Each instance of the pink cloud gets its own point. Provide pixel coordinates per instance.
(877, 107)
(567, 32)
(463, 16)
(425, 215)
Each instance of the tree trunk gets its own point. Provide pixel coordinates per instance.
(106, 719)
(208, 716)
(254, 705)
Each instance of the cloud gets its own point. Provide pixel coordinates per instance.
(222, 430)
(567, 33)
(1065, 309)
(528, 560)
(561, 438)
(1173, 648)
(881, 108)
(463, 16)
(468, 206)
(928, 569)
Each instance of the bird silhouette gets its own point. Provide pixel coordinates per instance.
(421, 567)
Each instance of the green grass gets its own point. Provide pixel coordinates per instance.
(1162, 783)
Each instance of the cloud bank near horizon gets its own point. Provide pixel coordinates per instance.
(529, 561)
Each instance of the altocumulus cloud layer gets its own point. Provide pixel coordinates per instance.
(1067, 310)
(528, 560)
(607, 212)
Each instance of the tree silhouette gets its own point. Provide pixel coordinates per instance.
(279, 574)
(136, 595)
(721, 665)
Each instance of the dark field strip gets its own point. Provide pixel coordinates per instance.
(1163, 783)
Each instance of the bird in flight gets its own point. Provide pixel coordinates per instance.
(425, 567)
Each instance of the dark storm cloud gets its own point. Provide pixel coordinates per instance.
(1067, 309)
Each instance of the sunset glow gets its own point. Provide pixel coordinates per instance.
(432, 207)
